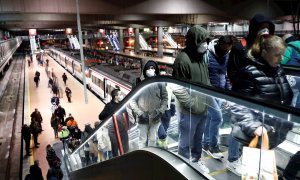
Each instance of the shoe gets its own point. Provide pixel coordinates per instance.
(215, 152)
(202, 166)
(205, 148)
(235, 167)
(38, 143)
(29, 154)
(162, 143)
(36, 146)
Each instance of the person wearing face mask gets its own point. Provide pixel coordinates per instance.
(218, 58)
(192, 64)
(108, 110)
(259, 25)
(149, 106)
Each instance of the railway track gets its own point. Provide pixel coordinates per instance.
(10, 120)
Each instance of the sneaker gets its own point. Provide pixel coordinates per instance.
(205, 148)
(235, 167)
(203, 167)
(215, 152)
(162, 143)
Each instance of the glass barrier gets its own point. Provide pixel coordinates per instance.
(189, 120)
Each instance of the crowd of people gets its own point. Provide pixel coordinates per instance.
(253, 71)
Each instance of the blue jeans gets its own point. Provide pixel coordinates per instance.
(213, 123)
(164, 125)
(233, 148)
(191, 129)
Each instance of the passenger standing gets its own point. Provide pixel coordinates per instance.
(35, 171)
(35, 130)
(149, 106)
(259, 26)
(36, 116)
(60, 113)
(263, 79)
(26, 134)
(106, 112)
(218, 58)
(68, 94)
(65, 78)
(54, 124)
(192, 64)
(36, 80)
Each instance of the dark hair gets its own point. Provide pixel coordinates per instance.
(225, 40)
(114, 93)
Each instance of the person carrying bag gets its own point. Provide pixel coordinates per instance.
(259, 163)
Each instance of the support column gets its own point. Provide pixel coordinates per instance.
(136, 40)
(159, 42)
(121, 40)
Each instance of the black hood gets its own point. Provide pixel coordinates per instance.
(150, 63)
(194, 37)
(255, 22)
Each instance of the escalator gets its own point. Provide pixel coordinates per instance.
(170, 40)
(156, 162)
(113, 42)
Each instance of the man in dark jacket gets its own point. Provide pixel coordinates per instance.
(218, 58)
(26, 134)
(35, 171)
(106, 112)
(192, 64)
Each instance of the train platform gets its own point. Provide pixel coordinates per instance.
(39, 97)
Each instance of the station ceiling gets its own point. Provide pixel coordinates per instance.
(51, 15)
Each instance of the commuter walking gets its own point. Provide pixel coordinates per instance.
(36, 80)
(68, 94)
(65, 78)
(35, 171)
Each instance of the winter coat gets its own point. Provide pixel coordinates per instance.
(249, 120)
(291, 55)
(218, 69)
(261, 81)
(104, 142)
(238, 54)
(192, 66)
(26, 133)
(152, 98)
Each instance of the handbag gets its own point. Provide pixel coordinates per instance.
(259, 163)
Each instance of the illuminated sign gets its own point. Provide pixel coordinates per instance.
(68, 31)
(32, 32)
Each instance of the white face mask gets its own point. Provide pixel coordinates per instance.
(202, 48)
(150, 72)
(263, 31)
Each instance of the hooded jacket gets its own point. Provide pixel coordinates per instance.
(152, 98)
(237, 57)
(193, 66)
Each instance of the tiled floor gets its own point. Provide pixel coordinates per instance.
(40, 98)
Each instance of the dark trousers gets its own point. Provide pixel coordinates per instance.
(114, 142)
(35, 138)
(27, 145)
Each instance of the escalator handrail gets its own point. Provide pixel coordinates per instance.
(278, 110)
